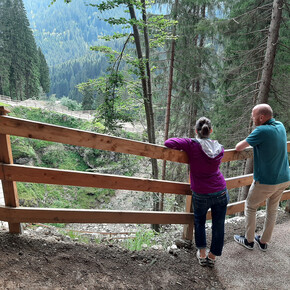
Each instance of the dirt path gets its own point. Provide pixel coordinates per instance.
(42, 260)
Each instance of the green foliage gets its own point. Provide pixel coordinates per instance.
(57, 225)
(37, 114)
(143, 237)
(65, 33)
(113, 107)
(115, 84)
(55, 196)
(22, 65)
(70, 104)
(44, 72)
(22, 149)
(76, 236)
(56, 155)
(244, 36)
(62, 157)
(32, 194)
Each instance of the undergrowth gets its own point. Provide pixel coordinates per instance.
(47, 154)
(143, 238)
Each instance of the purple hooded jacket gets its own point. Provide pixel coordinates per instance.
(204, 159)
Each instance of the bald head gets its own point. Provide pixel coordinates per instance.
(261, 114)
(264, 109)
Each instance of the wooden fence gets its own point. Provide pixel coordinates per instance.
(11, 173)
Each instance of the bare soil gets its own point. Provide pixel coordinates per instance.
(35, 260)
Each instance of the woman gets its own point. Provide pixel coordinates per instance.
(208, 188)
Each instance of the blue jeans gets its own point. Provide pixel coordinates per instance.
(218, 205)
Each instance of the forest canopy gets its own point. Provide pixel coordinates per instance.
(24, 72)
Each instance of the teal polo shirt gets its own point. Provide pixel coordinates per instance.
(271, 164)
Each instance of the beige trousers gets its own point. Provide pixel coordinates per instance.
(258, 193)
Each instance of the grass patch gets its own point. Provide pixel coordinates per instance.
(21, 148)
(142, 238)
(57, 196)
(4, 104)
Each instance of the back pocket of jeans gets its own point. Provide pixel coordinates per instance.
(199, 202)
(223, 199)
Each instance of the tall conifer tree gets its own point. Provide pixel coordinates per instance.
(20, 75)
(44, 72)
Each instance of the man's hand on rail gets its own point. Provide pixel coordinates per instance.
(242, 145)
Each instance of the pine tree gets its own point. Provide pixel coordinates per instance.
(20, 77)
(4, 55)
(245, 39)
(44, 72)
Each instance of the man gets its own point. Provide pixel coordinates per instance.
(271, 174)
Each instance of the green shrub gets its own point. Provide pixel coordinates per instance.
(142, 237)
(39, 145)
(21, 148)
(58, 196)
(31, 194)
(70, 104)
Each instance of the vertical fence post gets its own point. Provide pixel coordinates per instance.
(188, 229)
(9, 187)
(287, 208)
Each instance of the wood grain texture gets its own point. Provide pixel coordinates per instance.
(53, 133)
(20, 173)
(46, 215)
(9, 187)
(76, 178)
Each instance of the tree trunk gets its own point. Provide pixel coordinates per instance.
(156, 196)
(267, 73)
(269, 59)
(168, 105)
(147, 93)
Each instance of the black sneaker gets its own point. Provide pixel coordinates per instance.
(244, 242)
(210, 262)
(262, 247)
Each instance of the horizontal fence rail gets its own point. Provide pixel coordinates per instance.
(11, 173)
(51, 215)
(53, 133)
(87, 179)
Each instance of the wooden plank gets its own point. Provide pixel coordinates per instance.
(9, 187)
(238, 181)
(232, 154)
(286, 195)
(53, 133)
(86, 179)
(188, 229)
(33, 215)
(239, 206)
(37, 130)
(22, 173)
(4, 111)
